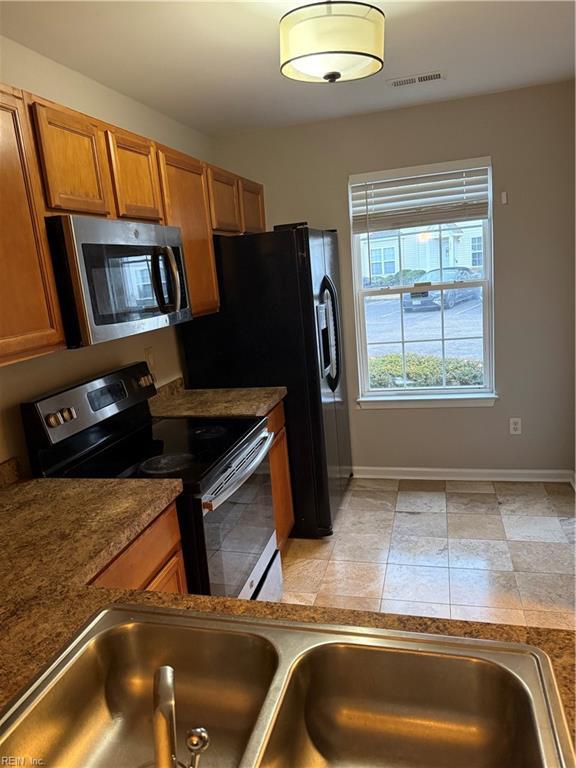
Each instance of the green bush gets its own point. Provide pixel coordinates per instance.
(404, 277)
(423, 371)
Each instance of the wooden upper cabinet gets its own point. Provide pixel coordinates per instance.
(252, 206)
(74, 161)
(134, 176)
(224, 193)
(185, 194)
(29, 317)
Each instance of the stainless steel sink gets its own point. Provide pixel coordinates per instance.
(290, 695)
(97, 711)
(363, 706)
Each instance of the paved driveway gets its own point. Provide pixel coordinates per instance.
(424, 328)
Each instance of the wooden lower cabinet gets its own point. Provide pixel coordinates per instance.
(152, 561)
(185, 193)
(280, 477)
(30, 321)
(172, 578)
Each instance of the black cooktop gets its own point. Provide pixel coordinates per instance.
(193, 449)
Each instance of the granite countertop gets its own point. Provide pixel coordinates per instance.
(64, 532)
(58, 534)
(173, 400)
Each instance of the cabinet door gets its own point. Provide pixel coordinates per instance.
(184, 189)
(281, 488)
(224, 200)
(134, 176)
(172, 578)
(252, 206)
(29, 315)
(74, 161)
(135, 567)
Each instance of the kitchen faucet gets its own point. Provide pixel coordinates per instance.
(164, 725)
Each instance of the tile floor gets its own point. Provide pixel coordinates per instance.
(479, 551)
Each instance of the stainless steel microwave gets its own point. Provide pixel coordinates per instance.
(116, 278)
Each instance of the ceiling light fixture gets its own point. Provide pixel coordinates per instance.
(332, 42)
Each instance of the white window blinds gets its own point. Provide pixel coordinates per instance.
(432, 197)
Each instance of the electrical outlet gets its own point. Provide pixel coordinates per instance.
(149, 357)
(516, 426)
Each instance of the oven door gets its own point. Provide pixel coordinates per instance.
(125, 277)
(239, 524)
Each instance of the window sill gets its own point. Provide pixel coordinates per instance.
(437, 401)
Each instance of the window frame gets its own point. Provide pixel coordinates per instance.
(429, 396)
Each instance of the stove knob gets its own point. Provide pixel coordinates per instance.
(68, 414)
(54, 419)
(142, 382)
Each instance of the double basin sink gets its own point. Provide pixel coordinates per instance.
(289, 695)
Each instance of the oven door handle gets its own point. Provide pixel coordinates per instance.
(210, 501)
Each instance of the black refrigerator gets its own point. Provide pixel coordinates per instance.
(279, 325)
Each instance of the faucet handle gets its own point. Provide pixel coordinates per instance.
(197, 741)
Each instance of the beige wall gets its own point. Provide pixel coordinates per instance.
(29, 70)
(530, 134)
(23, 68)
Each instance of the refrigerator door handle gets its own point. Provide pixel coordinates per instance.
(330, 322)
(330, 302)
(323, 339)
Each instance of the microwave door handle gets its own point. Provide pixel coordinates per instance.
(175, 278)
(157, 282)
(210, 503)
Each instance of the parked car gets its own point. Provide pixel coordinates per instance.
(432, 299)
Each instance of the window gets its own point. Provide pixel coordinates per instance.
(476, 251)
(376, 263)
(421, 243)
(382, 262)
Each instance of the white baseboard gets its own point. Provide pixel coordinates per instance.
(436, 473)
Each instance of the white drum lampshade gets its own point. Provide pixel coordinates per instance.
(332, 42)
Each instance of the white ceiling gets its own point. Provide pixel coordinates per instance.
(214, 65)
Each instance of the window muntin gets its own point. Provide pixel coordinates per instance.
(429, 340)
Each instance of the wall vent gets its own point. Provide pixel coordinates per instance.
(425, 77)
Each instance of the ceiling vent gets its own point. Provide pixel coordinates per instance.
(425, 77)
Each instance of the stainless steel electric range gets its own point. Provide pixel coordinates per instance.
(103, 428)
